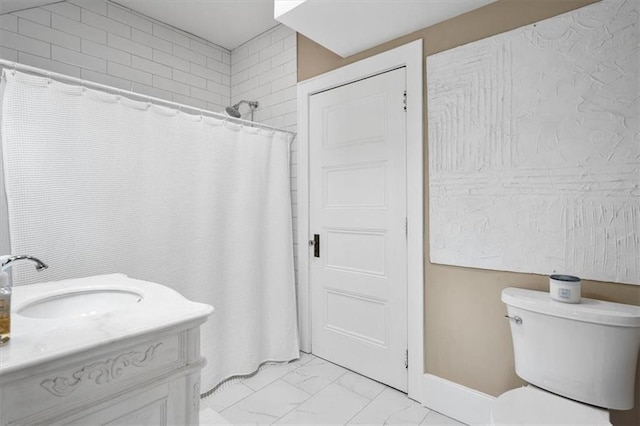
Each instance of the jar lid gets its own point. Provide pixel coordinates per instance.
(567, 278)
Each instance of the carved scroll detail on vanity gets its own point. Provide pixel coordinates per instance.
(100, 372)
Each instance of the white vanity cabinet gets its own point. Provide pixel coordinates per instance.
(108, 368)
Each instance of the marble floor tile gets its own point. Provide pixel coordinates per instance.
(314, 376)
(311, 390)
(302, 360)
(266, 405)
(333, 405)
(269, 374)
(209, 417)
(391, 408)
(360, 384)
(226, 397)
(437, 419)
(305, 358)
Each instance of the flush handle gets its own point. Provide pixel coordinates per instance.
(515, 319)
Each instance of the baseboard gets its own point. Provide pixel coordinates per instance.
(456, 401)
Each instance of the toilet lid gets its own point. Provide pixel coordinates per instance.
(530, 405)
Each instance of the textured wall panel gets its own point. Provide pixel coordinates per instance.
(534, 147)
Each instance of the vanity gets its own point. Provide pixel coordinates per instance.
(101, 350)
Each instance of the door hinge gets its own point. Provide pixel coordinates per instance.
(404, 101)
(406, 358)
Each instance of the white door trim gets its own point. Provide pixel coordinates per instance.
(410, 56)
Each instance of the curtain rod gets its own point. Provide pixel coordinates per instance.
(114, 90)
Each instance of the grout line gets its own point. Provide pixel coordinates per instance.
(371, 400)
(254, 391)
(321, 389)
(153, 20)
(130, 65)
(259, 35)
(32, 7)
(310, 395)
(366, 405)
(241, 399)
(294, 408)
(426, 415)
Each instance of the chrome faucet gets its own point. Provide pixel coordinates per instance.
(6, 261)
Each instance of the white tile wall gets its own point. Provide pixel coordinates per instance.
(265, 69)
(112, 45)
(37, 15)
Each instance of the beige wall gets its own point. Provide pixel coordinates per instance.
(467, 339)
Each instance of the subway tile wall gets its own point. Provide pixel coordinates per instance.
(109, 44)
(103, 42)
(264, 69)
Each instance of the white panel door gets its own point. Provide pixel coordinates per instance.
(358, 278)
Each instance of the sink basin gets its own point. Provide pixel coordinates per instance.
(80, 303)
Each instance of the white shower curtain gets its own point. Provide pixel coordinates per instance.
(97, 183)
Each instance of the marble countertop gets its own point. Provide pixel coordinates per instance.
(34, 340)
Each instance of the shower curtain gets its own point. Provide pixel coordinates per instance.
(98, 183)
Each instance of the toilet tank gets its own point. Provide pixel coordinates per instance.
(587, 351)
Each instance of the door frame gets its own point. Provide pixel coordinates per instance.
(408, 56)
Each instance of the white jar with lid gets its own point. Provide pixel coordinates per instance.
(565, 288)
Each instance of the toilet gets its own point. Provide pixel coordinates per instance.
(579, 360)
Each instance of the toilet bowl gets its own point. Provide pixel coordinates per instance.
(579, 360)
(529, 405)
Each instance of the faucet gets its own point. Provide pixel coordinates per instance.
(6, 261)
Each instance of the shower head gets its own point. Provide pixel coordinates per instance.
(234, 111)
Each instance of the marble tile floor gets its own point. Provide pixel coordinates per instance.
(312, 391)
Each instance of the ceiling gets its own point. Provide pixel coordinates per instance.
(347, 27)
(8, 6)
(343, 26)
(227, 23)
